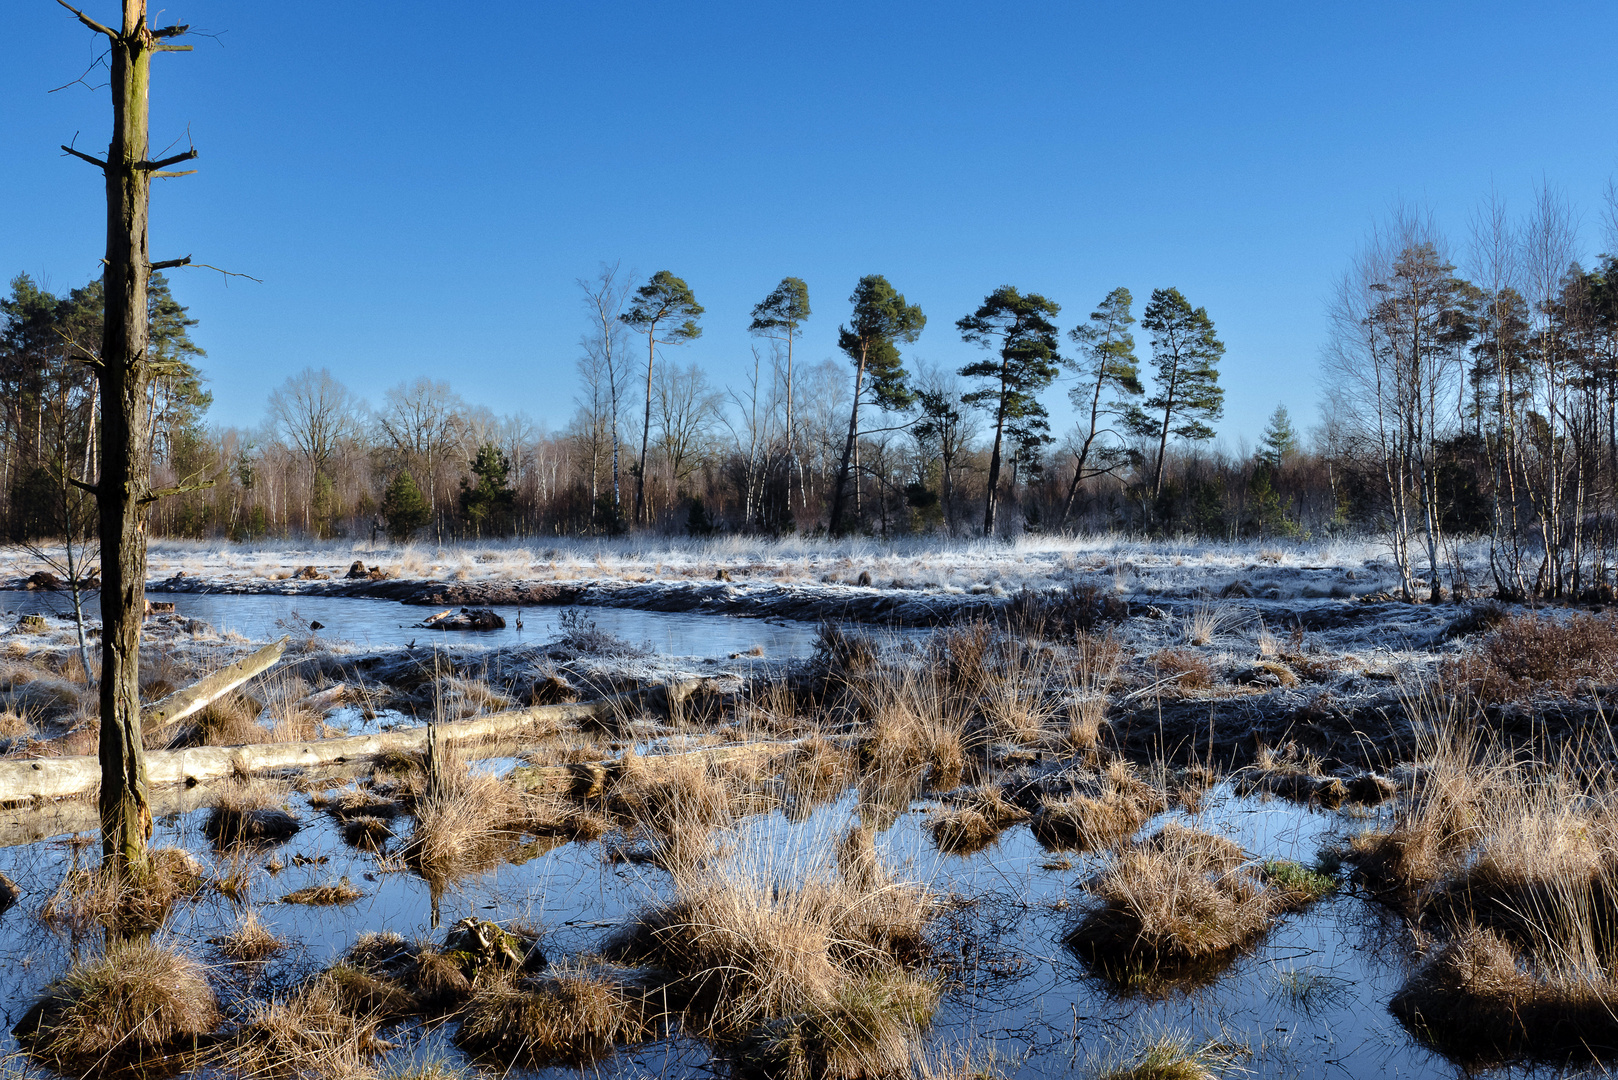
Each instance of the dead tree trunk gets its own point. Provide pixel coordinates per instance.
(123, 489)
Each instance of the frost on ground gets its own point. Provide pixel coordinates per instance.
(1167, 567)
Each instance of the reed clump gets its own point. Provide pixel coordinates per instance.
(137, 1000)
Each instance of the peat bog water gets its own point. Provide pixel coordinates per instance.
(378, 624)
(1309, 1000)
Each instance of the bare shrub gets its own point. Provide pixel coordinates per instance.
(1533, 653)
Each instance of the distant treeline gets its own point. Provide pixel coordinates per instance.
(1458, 406)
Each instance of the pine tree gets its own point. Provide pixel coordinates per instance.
(1020, 328)
(665, 305)
(1279, 439)
(489, 502)
(1185, 352)
(880, 321)
(403, 507)
(1106, 365)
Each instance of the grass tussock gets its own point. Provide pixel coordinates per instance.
(331, 894)
(1104, 808)
(250, 940)
(1479, 1002)
(748, 940)
(136, 1000)
(974, 821)
(89, 897)
(1169, 1057)
(229, 721)
(871, 1028)
(464, 827)
(1181, 670)
(913, 732)
(1292, 773)
(1181, 902)
(307, 1033)
(1294, 885)
(1435, 827)
(574, 1015)
(250, 812)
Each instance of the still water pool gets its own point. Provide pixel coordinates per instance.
(371, 623)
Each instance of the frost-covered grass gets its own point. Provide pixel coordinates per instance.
(1123, 563)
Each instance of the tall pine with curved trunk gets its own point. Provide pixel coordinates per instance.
(123, 488)
(1186, 353)
(881, 319)
(1019, 328)
(779, 317)
(664, 305)
(1105, 365)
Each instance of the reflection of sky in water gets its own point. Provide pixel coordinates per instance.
(379, 623)
(1022, 995)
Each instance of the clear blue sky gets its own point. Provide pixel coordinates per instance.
(419, 185)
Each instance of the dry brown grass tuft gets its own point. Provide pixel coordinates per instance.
(230, 721)
(250, 812)
(871, 1028)
(331, 894)
(1177, 902)
(1476, 1001)
(14, 725)
(974, 822)
(1438, 824)
(458, 698)
(250, 940)
(464, 829)
(818, 769)
(136, 1000)
(915, 729)
(366, 832)
(1292, 773)
(748, 940)
(573, 1016)
(91, 897)
(1189, 670)
(306, 1034)
(1104, 808)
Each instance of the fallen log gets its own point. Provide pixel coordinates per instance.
(204, 692)
(61, 777)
